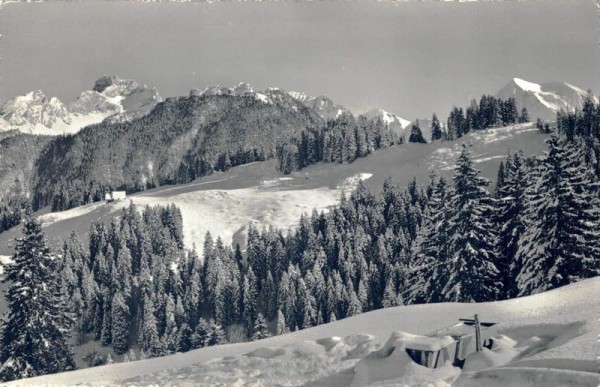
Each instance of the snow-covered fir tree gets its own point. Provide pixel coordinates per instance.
(560, 244)
(184, 338)
(35, 335)
(150, 340)
(473, 272)
(281, 327)
(510, 202)
(430, 269)
(200, 337)
(120, 324)
(468, 273)
(260, 330)
(216, 334)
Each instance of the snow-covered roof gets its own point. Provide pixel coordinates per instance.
(459, 329)
(421, 343)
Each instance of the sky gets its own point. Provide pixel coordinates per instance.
(411, 59)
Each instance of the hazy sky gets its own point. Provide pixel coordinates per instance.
(410, 58)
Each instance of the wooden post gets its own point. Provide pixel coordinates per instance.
(478, 343)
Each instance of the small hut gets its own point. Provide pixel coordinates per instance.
(468, 336)
(114, 196)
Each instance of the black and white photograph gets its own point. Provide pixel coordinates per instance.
(300, 193)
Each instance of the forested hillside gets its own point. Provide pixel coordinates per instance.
(180, 140)
(18, 156)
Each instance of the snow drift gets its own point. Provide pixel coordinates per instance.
(546, 339)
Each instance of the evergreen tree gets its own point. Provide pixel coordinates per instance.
(473, 273)
(524, 117)
(150, 341)
(500, 178)
(390, 296)
(34, 337)
(184, 338)
(106, 332)
(436, 128)
(249, 298)
(129, 356)
(270, 296)
(510, 194)
(287, 300)
(200, 337)
(560, 244)
(170, 331)
(415, 134)
(216, 334)
(430, 270)
(281, 325)
(120, 324)
(261, 330)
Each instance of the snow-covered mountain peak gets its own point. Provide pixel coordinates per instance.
(324, 106)
(527, 86)
(299, 96)
(33, 108)
(90, 101)
(388, 118)
(543, 100)
(111, 96)
(243, 88)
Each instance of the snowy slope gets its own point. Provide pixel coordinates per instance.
(258, 193)
(547, 339)
(543, 100)
(119, 99)
(272, 202)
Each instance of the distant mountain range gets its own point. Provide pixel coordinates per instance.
(125, 135)
(118, 100)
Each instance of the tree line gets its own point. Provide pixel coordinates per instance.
(341, 140)
(488, 112)
(345, 138)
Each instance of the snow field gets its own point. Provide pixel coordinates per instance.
(444, 158)
(226, 213)
(54, 217)
(547, 339)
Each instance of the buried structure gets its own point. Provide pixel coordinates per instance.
(453, 343)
